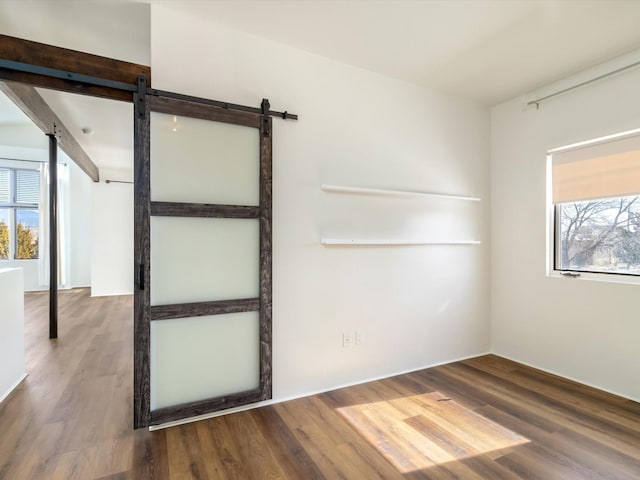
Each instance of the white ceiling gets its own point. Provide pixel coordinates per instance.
(9, 113)
(16, 130)
(110, 143)
(487, 51)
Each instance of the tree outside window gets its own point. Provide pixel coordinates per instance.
(4, 241)
(600, 235)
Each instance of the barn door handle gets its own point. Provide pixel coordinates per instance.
(569, 274)
(141, 276)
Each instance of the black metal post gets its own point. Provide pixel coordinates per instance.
(53, 235)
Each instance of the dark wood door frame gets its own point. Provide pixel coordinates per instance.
(145, 208)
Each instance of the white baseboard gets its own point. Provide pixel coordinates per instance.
(12, 388)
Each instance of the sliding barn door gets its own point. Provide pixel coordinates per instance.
(203, 259)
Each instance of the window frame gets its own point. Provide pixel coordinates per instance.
(553, 225)
(13, 206)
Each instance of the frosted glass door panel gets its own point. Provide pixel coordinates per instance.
(203, 161)
(203, 259)
(203, 357)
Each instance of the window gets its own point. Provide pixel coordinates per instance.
(19, 217)
(595, 194)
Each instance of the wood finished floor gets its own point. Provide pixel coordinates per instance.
(485, 418)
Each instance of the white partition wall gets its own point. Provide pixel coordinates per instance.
(12, 364)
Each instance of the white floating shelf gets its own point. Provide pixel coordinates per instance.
(338, 241)
(380, 191)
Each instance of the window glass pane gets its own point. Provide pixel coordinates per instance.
(27, 186)
(27, 236)
(203, 357)
(4, 234)
(202, 259)
(4, 185)
(599, 235)
(201, 161)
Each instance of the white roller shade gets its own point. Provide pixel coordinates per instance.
(602, 170)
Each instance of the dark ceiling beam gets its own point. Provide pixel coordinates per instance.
(33, 105)
(81, 63)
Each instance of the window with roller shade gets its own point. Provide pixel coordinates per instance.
(595, 192)
(19, 216)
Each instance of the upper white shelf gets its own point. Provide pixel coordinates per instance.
(380, 191)
(340, 241)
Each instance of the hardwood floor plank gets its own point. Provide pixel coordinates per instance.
(76, 465)
(581, 398)
(624, 438)
(330, 461)
(349, 439)
(468, 426)
(150, 458)
(293, 458)
(254, 449)
(488, 468)
(186, 459)
(607, 453)
(223, 456)
(116, 456)
(526, 468)
(40, 458)
(462, 388)
(588, 454)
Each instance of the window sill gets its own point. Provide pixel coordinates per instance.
(18, 260)
(599, 277)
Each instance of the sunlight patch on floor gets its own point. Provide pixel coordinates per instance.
(421, 431)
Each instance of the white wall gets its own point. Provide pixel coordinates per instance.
(79, 215)
(112, 234)
(581, 329)
(12, 364)
(84, 26)
(417, 306)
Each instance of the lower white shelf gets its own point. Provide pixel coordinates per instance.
(385, 191)
(338, 241)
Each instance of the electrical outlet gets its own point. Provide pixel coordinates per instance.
(359, 337)
(346, 340)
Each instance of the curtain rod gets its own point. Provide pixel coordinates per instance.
(117, 181)
(537, 101)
